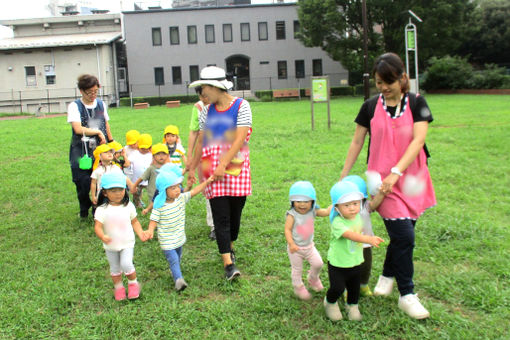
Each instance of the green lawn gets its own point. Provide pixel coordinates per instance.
(54, 274)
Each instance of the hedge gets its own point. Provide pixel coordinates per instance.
(267, 95)
(153, 101)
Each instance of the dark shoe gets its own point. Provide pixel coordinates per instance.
(231, 272)
(233, 256)
(212, 236)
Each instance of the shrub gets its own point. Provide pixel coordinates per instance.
(492, 77)
(447, 73)
(154, 101)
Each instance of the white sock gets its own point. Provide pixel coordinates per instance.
(132, 281)
(118, 285)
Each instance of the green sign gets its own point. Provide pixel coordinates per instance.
(410, 40)
(320, 90)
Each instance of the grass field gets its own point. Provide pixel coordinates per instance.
(54, 274)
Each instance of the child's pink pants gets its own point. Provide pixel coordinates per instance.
(310, 254)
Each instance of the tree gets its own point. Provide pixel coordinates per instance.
(336, 27)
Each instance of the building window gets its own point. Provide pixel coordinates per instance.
(300, 68)
(174, 35)
(209, 33)
(282, 69)
(49, 72)
(192, 34)
(280, 30)
(176, 75)
(245, 31)
(227, 32)
(156, 36)
(297, 28)
(263, 31)
(159, 76)
(317, 67)
(193, 73)
(30, 76)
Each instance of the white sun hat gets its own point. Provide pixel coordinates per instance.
(214, 76)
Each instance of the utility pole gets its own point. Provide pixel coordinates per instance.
(366, 74)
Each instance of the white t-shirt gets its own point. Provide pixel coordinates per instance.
(116, 220)
(139, 163)
(100, 171)
(73, 113)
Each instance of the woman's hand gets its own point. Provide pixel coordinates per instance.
(219, 172)
(102, 139)
(388, 183)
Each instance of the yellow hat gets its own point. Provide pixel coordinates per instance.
(132, 137)
(115, 146)
(160, 147)
(98, 151)
(174, 130)
(145, 141)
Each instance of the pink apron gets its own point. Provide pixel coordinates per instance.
(389, 140)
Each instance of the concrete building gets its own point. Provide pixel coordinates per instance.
(256, 44)
(41, 63)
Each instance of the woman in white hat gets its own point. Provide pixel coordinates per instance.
(225, 129)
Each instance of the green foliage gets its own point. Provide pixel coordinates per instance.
(153, 101)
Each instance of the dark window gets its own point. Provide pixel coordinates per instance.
(49, 72)
(50, 80)
(297, 28)
(193, 73)
(209, 33)
(280, 30)
(192, 34)
(245, 31)
(159, 76)
(265, 62)
(227, 32)
(317, 67)
(176, 75)
(282, 69)
(156, 36)
(30, 76)
(263, 31)
(174, 35)
(300, 68)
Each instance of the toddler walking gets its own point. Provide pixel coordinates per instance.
(299, 230)
(345, 254)
(176, 151)
(103, 164)
(115, 220)
(140, 159)
(169, 216)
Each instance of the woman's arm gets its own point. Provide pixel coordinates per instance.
(241, 134)
(195, 160)
(108, 132)
(416, 145)
(82, 130)
(354, 149)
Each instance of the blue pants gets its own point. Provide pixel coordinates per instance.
(173, 256)
(399, 255)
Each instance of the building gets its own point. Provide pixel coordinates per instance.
(41, 63)
(256, 44)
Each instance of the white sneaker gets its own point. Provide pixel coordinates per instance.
(332, 310)
(411, 305)
(384, 286)
(353, 312)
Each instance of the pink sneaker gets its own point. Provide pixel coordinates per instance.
(302, 293)
(120, 293)
(315, 284)
(133, 290)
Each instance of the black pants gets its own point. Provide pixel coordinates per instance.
(81, 179)
(226, 211)
(339, 280)
(399, 254)
(366, 266)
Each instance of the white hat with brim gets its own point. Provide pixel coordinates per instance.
(213, 76)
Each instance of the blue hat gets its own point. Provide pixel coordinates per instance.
(360, 183)
(342, 192)
(302, 191)
(163, 181)
(169, 167)
(113, 180)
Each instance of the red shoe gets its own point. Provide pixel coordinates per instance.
(120, 293)
(133, 290)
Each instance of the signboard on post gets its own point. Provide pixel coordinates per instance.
(320, 94)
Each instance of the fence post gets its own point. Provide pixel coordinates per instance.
(159, 94)
(270, 86)
(131, 95)
(20, 103)
(48, 99)
(13, 101)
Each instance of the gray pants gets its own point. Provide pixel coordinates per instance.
(121, 261)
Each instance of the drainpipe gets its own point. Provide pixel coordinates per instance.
(99, 71)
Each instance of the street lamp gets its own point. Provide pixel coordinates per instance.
(411, 39)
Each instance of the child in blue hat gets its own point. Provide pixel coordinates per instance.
(345, 254)
(169, 216)
(299, 230)
(115, 220)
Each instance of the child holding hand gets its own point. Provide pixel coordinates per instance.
(103, 164)
(345, 254)
(115, 220)
(299, 230)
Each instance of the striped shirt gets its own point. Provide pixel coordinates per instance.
(170, 219)
(176, 157)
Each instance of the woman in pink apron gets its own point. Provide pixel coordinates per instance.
(397, 123)
(225, 129)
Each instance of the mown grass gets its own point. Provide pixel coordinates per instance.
(55, 281)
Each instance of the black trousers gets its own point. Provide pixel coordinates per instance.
(339, 280)
(81, 179)
(366, 266)
(226, 212)
(399, 254)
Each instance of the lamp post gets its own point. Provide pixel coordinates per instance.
(411, 38)
(366, 75)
